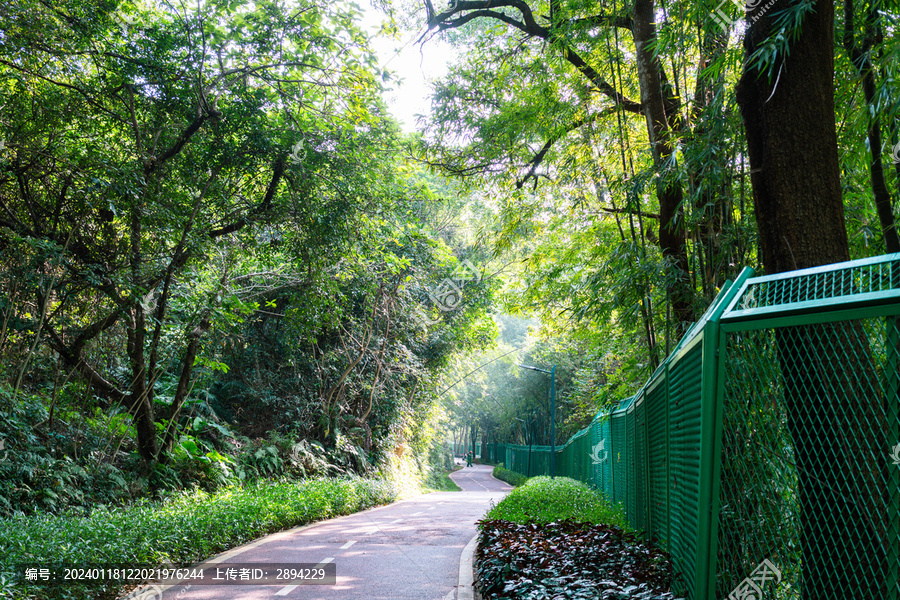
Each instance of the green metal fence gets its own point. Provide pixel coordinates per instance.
(764, 454)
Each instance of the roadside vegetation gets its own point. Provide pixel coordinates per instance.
(439, 481)
(207, 278)
(183, 529)
(557, 538)
(511, 477)
(224, 268)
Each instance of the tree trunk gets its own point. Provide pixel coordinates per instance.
(139, 402)
(184, 383)
(661, 110)
(827, 369)
(792, 144)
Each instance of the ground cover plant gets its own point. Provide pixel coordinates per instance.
(557, 538)
(183, 529)
(511, 477)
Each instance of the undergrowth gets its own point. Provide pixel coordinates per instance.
(55, 458)
(439, 480)
(570, 560)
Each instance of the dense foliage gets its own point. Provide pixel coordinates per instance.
(216, 264)
(221, 262)
(611, 135)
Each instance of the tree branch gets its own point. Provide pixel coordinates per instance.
(529, 26)
(627, 211)
(97, 381)
(277, 174)
(95, 329)
(539, 157)
(183, 139)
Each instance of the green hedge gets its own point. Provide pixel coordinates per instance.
(510, 477)
(187, 528)
(544, 500)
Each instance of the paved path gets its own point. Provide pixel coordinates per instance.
(409, 550)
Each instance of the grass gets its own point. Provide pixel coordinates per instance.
(511, 477)
(545, 500)
(187, 528)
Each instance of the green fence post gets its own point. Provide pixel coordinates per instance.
(553, 421)
(892, 391)
(711, 444)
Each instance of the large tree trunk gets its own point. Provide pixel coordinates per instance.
(827, 369)
(792, 144)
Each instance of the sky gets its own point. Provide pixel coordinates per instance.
(415, 65)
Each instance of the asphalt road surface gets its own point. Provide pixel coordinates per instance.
(408, 550)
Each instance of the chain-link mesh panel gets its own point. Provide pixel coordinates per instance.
(529, 460)
(631, 497)
(601, 451)
(573, 459)
(684, 435)
(619, 449)
(638, 514)
(810, 425)
(658, 459)
(854, 279)
(758, 505)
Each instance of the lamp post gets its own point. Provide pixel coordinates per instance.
(552, 373)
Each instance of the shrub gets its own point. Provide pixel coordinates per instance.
(569, 560)
(36, 476)
(545, 500)
(510, 477)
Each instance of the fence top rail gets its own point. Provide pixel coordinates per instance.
(865, 282)
(575, 436)
(533, 448)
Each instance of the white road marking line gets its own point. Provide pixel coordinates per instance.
(450, 595)
(290, 588)
(395, 521)
(417, 514)
(432, 507)
(348, 544)
(374, 529)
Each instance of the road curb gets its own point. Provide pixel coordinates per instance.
(466, 588)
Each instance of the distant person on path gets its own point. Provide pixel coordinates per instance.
(469, 458)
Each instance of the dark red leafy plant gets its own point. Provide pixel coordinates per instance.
(567, 559)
